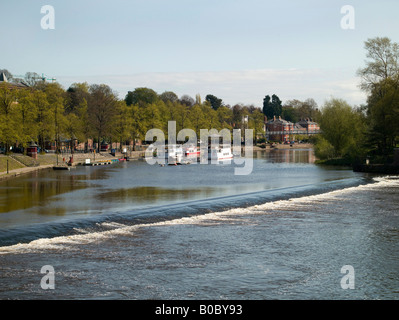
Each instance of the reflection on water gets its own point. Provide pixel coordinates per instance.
(35, 190)
(287, 155)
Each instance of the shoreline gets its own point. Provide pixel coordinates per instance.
(48, 161)
(80, 158)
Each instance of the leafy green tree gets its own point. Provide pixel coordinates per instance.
(197, 119)
(76, 96)
(256, 122)
(8, 125)
(225, 117)
(138, 125)
(25, 116)
(342, 128)
(101, 109)
(383, 117)
(215, 102)
(55, 96)
(141, 97)
(121, 126)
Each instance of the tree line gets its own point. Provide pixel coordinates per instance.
(45, 111)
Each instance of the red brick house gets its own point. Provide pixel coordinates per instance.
(282, 130)
(279, 129)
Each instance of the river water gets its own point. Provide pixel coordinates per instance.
(139, 231)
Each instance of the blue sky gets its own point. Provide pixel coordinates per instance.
(238, 50)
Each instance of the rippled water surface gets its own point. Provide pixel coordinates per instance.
(135, 231)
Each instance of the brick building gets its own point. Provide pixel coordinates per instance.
(278, 129)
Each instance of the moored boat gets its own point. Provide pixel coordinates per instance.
(220, 153)
(191, 152)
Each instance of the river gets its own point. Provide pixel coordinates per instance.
(139, 231)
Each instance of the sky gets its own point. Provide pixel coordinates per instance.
(237, 50)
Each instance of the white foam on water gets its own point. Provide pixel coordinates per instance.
(68, 242)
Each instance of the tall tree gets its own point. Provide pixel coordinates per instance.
(380, 79)
(383, 117)
(101, 108)
(272, 107)
(121, 126)
(8, 125)
(383, 63)
(55, 95)
(26, 113)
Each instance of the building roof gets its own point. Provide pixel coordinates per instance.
(279, 120)
(3, 77)
(307, 121)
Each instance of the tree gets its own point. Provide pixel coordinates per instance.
(342, 130)
(76, 96)
(141, 97)
(197, 119)
(215, 102)
(380, 79)
(383, 63)
(383, 117)
(43, 117)
(32, 78)
(187, 100)
(121, 126)
(55, 96)
(237, 115)
(272, 107)
(101, 108)
(8, 125)
(168, 96)
(137, 124)
(256, 121)
(25, 116)
(295, 110)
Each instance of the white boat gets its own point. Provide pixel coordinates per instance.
(174, 154)
(220, 153)
(191, 152)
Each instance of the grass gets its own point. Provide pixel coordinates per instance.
(12, 164)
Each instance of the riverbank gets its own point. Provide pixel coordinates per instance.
(14, 165)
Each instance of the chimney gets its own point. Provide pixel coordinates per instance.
(274, 118)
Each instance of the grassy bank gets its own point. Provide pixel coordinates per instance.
(12, 164)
